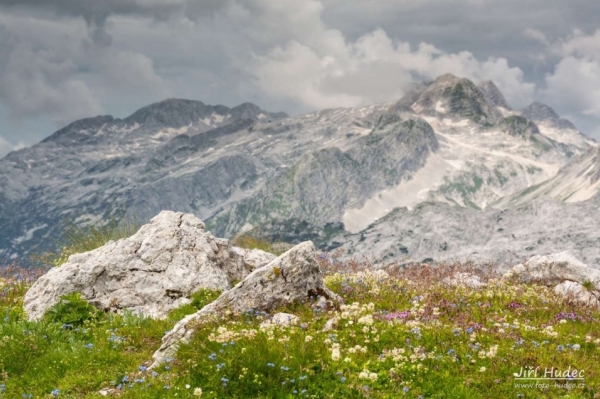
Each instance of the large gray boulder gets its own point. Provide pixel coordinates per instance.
(152, 272)
(294, 276)
(570, 277)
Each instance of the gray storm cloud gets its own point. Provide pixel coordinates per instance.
(65, 59)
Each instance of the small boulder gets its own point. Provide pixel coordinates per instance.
(151, 273)
(294, 276)
(282, 320)
(553, 269)
(576, 292)
(464, 280)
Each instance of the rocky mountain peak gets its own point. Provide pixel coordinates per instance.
(174, 113)
(537, 111)
(76, 128)
(452, 96)
(252, 111)
(492, 94)
(540, 112)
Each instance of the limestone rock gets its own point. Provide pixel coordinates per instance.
(294, 276)
(151, 272)
(464, 280)
(577, 292)
(107, 391)
(554, 269)
(282, 320)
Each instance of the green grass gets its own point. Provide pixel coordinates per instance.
(407, 336)
(76, 239)
(588, 285)
(255, 239)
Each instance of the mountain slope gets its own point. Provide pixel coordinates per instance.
(440, 232)
(450, 141)
(577, 181)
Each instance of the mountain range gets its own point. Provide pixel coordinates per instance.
(449, 171)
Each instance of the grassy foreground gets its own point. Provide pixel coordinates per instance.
(403, 336)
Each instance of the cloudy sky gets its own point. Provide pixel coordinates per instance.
(66, 59)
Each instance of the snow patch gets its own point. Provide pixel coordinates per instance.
(212, 120)
(28, 234)
(549, 169)
(245, 228)
(406, 194)
(450, 123)
(439, 107)
(565, 136)
(128, 129)
(170, 131)
(218, 118)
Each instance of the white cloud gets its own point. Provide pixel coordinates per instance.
(5, 147)
(35, 82)
(537, 35)
(580, 45)
(128, 70)
(37, 75)
(574, 84)
(372, 69)
(72, 59)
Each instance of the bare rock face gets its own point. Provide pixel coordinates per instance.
(567, 274)
(151, 272)
(294, 276)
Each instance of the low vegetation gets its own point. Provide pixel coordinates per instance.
(256, 239)
(399, 335)
(77, 239)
